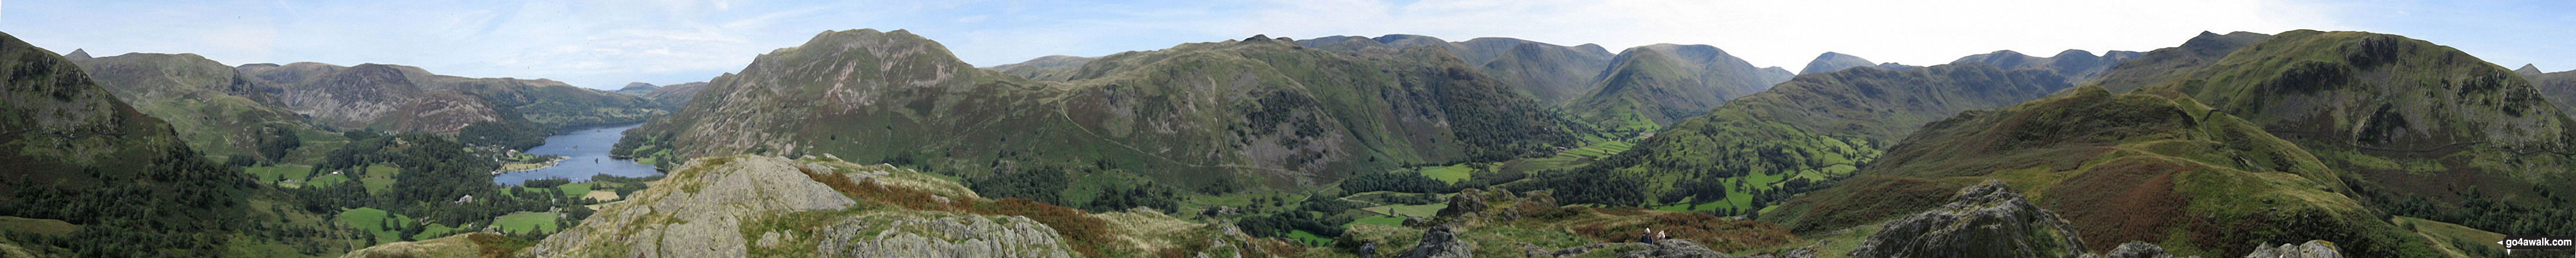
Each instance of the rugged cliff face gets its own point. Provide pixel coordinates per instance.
(216, 109)
(753, 206)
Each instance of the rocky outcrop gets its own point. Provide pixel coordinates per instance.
(695, 212)
(1675, 248)
(965, 236)
(1440, 242)
(2134, 249)
(2311, 249)
(1985, 220)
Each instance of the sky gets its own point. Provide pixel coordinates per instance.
(606, 44)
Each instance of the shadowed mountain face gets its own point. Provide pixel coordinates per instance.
(119, 181)
(2560, 87)
(2166, 63)
(1814, 128)
(673, 97)
(2076, 65)
(1198, 114)
(1551, 73)
(1046, 68)
(2119, 168)
(214, 108)
(1652, 86)
(408, 99)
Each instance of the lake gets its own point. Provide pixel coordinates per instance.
(586, 154)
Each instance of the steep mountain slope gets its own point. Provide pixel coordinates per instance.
(1809, 130)
(1653, 86)
(2076, 65)
(1197, 115)
(409, 99)
(2429, 131)
(214, 108)
(120, 183)
(673, 97)
(2127, 167)
(1551, 73)
(2167, 63)
(741, 206)
(1046, 68)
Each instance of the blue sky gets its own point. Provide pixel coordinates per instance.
(604, 44)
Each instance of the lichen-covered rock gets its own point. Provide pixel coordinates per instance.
(1985, 220)
(1440, 242)
(2311, 249)
(966, 236)
(695, 212)
(1675, 248)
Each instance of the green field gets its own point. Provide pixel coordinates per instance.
(327, 180)
(575, 190)
(434, 231)
(379, 178)
(372, 221)
(1447, 174)
(539, 222)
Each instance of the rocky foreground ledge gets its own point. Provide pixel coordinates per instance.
(1990, 220)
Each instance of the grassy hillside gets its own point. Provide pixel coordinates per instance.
(1045, 68)
(1832, 62)
(2120, 168)
(124, 180)
(2427, 130)
(214, 108)
(1652, 86)
(1806, 132)
(2167, 63)
(1206, 116)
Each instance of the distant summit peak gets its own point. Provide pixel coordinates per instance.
(2528, 69)
(77, 54)
(2075, 52)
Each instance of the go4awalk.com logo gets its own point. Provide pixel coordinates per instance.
(2537, 243)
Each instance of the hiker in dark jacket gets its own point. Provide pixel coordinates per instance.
(1647, 237)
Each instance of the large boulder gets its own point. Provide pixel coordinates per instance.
(1440, 242)
(1985, 220)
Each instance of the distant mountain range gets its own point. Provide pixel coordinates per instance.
(1238, 112)
(1832, 62)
